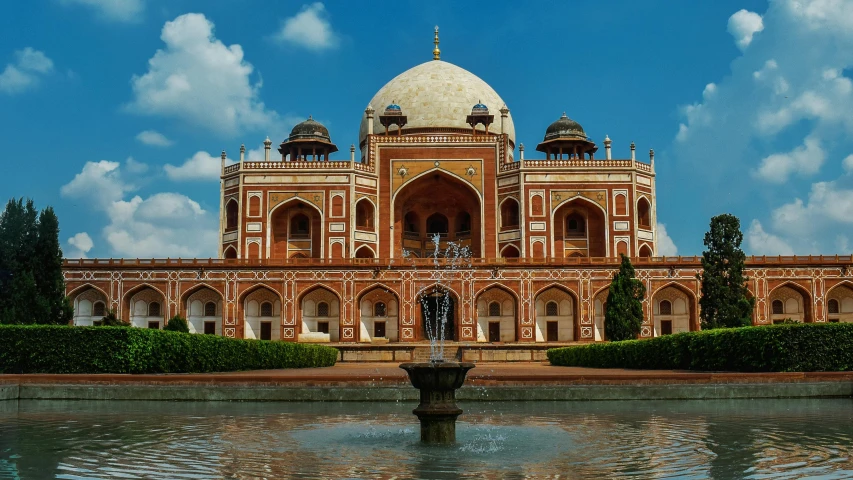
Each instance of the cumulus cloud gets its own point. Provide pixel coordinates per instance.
(666, 247)
(310, 28)
(164, 224)
(200, 167)
(805, 159)
(760, 242)
(113, 10)
(847, 163)
(743, 25)
(26, 72)
(80, 243)
(199, 80)
(153, 138)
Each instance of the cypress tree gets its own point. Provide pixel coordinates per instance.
(624, 314)
(725, 301)
(48, 272)
(32, 289)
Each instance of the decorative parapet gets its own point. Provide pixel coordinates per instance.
(558, 164)
(845, 261)
(331, 165)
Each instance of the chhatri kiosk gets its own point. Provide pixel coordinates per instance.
(318, 245)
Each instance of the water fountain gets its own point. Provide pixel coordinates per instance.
(439, 378)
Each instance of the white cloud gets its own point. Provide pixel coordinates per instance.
(805, 159)
(133, 166)
(99, 182)
(666, 247)
(309, 28)
(153, 138)
(198, 79)
(26, 72)
(760, 242)
(847, 163)
(164, 224)
(201, 166)
(113, 10)
(80, 243)
(743, 24)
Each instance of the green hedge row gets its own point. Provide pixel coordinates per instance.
(774, 348)
(62, 349)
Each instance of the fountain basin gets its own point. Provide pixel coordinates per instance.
(437, 411)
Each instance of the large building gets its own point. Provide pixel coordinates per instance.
(320, 246)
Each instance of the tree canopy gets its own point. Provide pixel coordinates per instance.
(624, 313)
(725, 301)
(32, 288)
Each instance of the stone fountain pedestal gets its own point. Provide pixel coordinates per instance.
(437, 382)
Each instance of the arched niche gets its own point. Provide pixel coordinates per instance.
(320, 311)
(839, 304)
(379, 316)
(147, 308)
(90, 307)
(580, 228)
(796, 303)
(296, 230)
(673, 310)
(555, 315)
(496, 316)
(204, 311)
(261, 314)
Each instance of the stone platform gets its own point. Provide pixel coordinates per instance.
(458, 351)
(387, 382)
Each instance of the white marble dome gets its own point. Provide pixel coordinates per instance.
(437, 94)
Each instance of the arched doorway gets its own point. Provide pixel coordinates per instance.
(790, 301)
(90, 307)
(204, 311)
(438, 314)
(436, 203)
(147, 308)
(673, 311)
(262, 315)
(296, 231)
(321, 314)
(839, 304)
(379, 316)
(496, 316)
(555, 316)
(579, 229)
(364, 252)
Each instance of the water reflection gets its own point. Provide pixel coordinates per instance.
(689, 439)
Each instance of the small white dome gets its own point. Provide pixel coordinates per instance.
(438, 94)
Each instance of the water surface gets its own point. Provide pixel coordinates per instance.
(643, 439)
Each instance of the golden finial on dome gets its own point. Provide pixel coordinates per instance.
(436, 53)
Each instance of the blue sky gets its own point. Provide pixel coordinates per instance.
(115, 111)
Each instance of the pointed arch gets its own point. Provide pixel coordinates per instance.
(372, 325)
(645, 251)
(843, 303)
(510, 213)
(805, 302)
(597, 235)
(230, 252)
(196, 310)
(317, 233)
(138, 312)
(510, 251)
(675, 318)
(565, 326)
(364, 251)
(365, 214)
(85, 299)
(644, 213)
(453, 317)
(232, 214)
(496, 308)
(313, 326)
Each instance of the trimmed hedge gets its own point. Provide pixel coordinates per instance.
(62, 349)
(772, 348)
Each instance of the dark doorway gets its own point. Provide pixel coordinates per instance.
(266, 331)
(210, 328)
(154, 325)
(494, 331)
(433, 306)
(379, 329)
(552, 329)
(666, 327)
(323, 327)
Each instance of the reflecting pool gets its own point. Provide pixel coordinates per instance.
(643, 439)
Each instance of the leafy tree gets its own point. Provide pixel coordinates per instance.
(177, 324)
(624, 313)
(32, 289)
(112, 320)
(725, 301)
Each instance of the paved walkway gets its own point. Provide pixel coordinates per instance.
(388, 374)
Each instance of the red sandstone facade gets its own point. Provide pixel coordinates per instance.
(315, 249)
